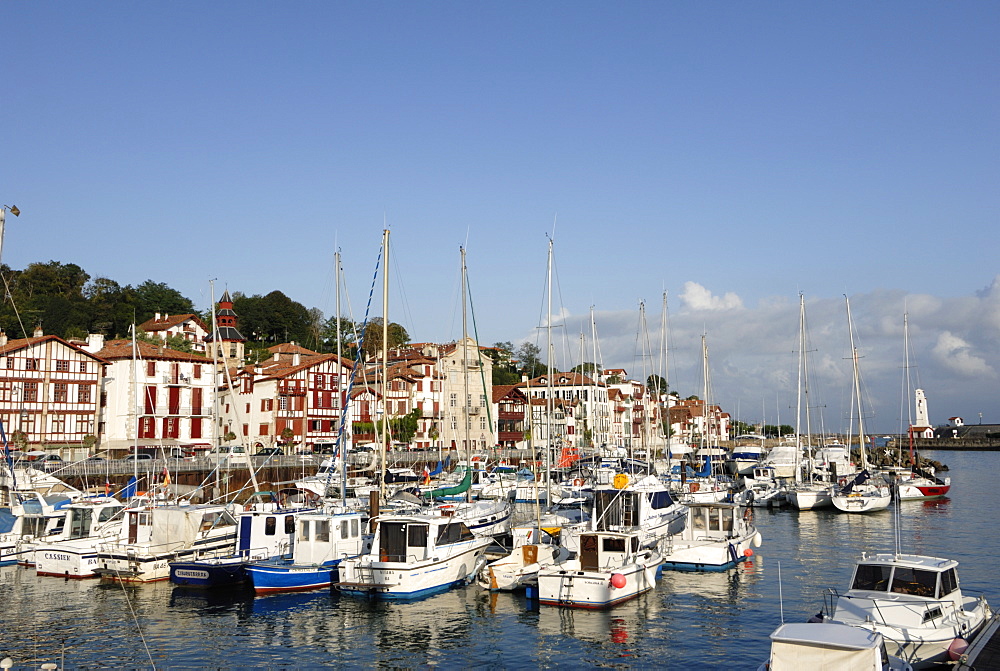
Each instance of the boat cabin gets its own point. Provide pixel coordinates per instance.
(902, 574)
(85, 518)
(603, 551)
(322, 538)
(707, 521)
(803, 645)
(175, 525)
(413, 539)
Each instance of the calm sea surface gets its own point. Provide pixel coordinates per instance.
(691, 621)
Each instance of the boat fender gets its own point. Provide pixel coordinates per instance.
(757, 540)
(578, 482)
(957, 648)
(618, 580)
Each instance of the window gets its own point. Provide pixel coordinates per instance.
(196, 427)
(62, 366)
(10, 362)
(31, 391)
(270, 525)
(83, 366)
(949, 583)
(58, 423)
(282, 403)
(871, 577)
(289, 524)
(322, 530)
(31, 364)
(453, 401)
(913, 581)
(60, 392)
(248, 408)
(482, 423)
(263, 429)
(197, 371)
(83, 393)
(150, 368)
(147, 429)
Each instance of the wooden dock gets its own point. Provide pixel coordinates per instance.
(984, 653)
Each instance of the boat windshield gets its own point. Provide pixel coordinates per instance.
(873, 577)
(907, 580)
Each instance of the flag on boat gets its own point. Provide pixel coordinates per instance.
(130, 489)
(166, 476)
(427, 475)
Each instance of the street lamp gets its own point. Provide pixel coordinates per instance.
(3, 214)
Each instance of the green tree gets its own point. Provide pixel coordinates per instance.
(152, 297)
(528, 355)
(504, 371)
(373, 337)
(586, 368)
(656, 384)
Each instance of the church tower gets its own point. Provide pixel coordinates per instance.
(228, 351)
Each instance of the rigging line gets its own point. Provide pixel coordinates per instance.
(479, 352)
(345, 406)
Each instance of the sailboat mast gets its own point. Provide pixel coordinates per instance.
(385, 363)
(465, 374)
(341, 448)
(857, 388)
(798, 388)
(549, 401)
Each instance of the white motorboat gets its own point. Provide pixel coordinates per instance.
(521, 565)
(35, 517)
(158, 534)
(413, 556)
(915, 602)
(644, 507)
(717, 537)
(809, 495)
(611, 568)
(862, 494)
(807, 645)
(73, 552)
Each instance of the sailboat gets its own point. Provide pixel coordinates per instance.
(809, 493)
(863, 493)
(414, 554)
(912, 482)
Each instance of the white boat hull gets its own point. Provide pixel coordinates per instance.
(568, 585)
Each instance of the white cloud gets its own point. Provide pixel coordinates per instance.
(957, 355)
(696, 297)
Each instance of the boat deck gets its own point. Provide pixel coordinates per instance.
(984, 653)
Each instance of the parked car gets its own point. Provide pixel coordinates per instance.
(269, 451)
(142, 456)
(230, 453)
(95, 458)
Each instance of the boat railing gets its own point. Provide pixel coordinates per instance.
(922, 608)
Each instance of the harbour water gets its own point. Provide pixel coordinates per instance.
(691, 621)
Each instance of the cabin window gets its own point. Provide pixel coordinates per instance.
(714, 521)
(108, 513)
(355, 527)
(613, 545)
(453, 533)
(871, 577)
(949, 583)
(344, 526)
(304, 530)
(913, 581)
(270, 526)
(322, 531)
(698, 520)
(932, 614)
(289, 524)
(416, 536)
(80, 522)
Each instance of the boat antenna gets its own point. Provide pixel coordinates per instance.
(781, 601)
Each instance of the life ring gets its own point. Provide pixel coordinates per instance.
(578, 482)
(748, 515)
(694, 486)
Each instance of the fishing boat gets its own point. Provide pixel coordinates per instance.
(805, 645)
(323, 539)
(513, 571)
(158, 534)
(611, 568)
(73, 552)
(265, 530)
(414, 556)
(642, 506)
(717, 537)
(35, 516)
(915, 602)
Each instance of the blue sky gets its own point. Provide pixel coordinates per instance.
(731, 154)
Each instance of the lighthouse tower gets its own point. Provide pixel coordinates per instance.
(228, 351)
(921, 425)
